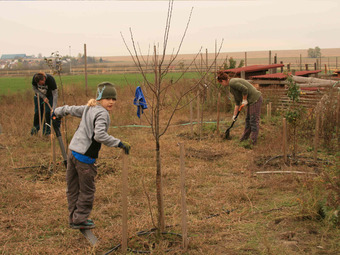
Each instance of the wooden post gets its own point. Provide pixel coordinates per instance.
(85, 62)
(40, 128)
(300, 62)
(201, 122)
(338, 121)
(198, 113)
(43, 120)
(320, 62)
(191, 118)
(284, 140)
(53, 149)
(329, 66)
(315, 66)
(183, 199)
(281, 62)
(218, 113)
(288, 67)
(326, 71)
(269, 111)
(243, 74)
(124, 202)
(316, 136)
(245, 59)
(306, 65)
(270, 61)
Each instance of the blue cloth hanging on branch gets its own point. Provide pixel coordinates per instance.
(140, 101)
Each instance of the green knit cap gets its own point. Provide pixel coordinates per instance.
(106, 90)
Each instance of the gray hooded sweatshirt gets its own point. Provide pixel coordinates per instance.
(92, 130)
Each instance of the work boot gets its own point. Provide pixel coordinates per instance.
(88, 224)
(34, 131)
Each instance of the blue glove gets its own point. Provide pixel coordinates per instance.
(125, 146)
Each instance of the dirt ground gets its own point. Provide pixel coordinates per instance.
(231, 208)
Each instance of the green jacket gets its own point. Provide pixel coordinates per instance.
(240, 87)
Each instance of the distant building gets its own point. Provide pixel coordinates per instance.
(13, 56)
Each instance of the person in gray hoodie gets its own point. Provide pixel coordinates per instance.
(84, 148)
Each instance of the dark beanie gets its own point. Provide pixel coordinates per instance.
(106, 90)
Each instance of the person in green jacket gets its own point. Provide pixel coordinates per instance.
(247, 95)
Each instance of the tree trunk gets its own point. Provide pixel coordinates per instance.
(159, 184)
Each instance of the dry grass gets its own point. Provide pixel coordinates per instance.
(231, 210)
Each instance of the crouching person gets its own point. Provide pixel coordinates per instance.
(84, 149)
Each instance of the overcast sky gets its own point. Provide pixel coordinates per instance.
(34, 27)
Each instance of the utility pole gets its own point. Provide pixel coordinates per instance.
(85, 59)
(70, 60)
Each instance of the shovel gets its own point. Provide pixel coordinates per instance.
(227, 132)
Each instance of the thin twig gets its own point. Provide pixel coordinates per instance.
(284, 172)
(149, 204)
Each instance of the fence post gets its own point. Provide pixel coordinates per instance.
(269, 111)
(243, 74)
(245, 59)
(316, 136)
(338, 121)
(53, 149)
(284, 140)
(183, 199)
(270, 61)
(218, 113)
(124, 202)
(191, 117)
(300, 62)
(198, 114)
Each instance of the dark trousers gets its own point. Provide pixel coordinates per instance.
(80, 189)
(46, 128)
(253, 121)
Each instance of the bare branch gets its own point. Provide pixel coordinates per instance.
(135, 58)
(181, 42)
(176, 108)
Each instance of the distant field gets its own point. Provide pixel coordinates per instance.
(9, 85)
(331, 52)
(121, 69)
